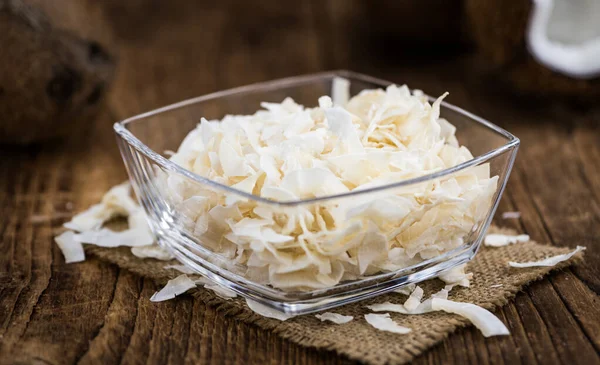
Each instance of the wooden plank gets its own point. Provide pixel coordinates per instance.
(55, 308)
(112, 339)
(581, 302)
(569, 341)
(537, 333)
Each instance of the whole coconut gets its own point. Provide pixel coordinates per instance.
(49, 80)
(499, 30)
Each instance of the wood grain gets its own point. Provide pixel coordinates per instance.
(95, 313)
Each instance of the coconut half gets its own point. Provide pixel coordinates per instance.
(564, 35)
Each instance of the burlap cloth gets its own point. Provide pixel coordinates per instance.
(493, 284)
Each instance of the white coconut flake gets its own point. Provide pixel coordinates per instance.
(406, 290)
(221, 291)
(484, 320)
(499, 240)
(340, 92)
(383, 322)
(511, 215)
(174, 287)
(550, 261)
(457, 276)
(414, 299)
(107, 238)
(496, 286)
(423, 307)
(268, 312)
(334, 317)
(71, 249)
(117, 201)
(152, 251)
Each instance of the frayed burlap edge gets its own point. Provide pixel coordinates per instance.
(490, 268)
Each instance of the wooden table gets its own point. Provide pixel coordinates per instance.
(94, 312)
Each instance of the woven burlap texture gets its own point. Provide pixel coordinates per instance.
(493, 284)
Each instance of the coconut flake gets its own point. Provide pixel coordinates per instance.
(388, 307)
(499, 240)
(484, 320)
(107, 238)
(406, 290)
(414, 299)
(334, 317)
(383, 322)
(221, 291)
(340, 123)
(340, 92)
(422, 307)
(153, 251)
(117, 201)
(457, 276)
(174, 287)
(511, 215)
(71, 249)
(268, 312)
(550, 261)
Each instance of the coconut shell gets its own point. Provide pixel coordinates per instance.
(49, 80)
(498, 29)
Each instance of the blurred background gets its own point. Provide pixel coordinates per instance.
(64, 62)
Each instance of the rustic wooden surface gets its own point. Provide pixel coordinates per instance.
(92, 312)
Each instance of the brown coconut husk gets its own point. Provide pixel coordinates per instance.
(498, 29)
(49, 80)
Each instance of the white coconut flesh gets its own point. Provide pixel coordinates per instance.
(564, 35)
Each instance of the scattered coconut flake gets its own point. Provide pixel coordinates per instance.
(153, 251)
(107, 238)
(334, 317)
(484, 320)
(406, 290)
(181, 268)
(221, 291)
(443, 293)
(268, 312)
(414, 299)
(174, 287)
(340, 92)
(423, 307)
(511, 215)
(383, 322)
(550, 261)
(499, 240)
(457, 276)
(71, 249)
(496, 286)
(117, 201)
(203, 281)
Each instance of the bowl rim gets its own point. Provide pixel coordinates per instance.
(122, 132)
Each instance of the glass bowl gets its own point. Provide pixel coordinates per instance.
(145, 141)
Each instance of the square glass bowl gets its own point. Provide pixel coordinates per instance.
(145, 139)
